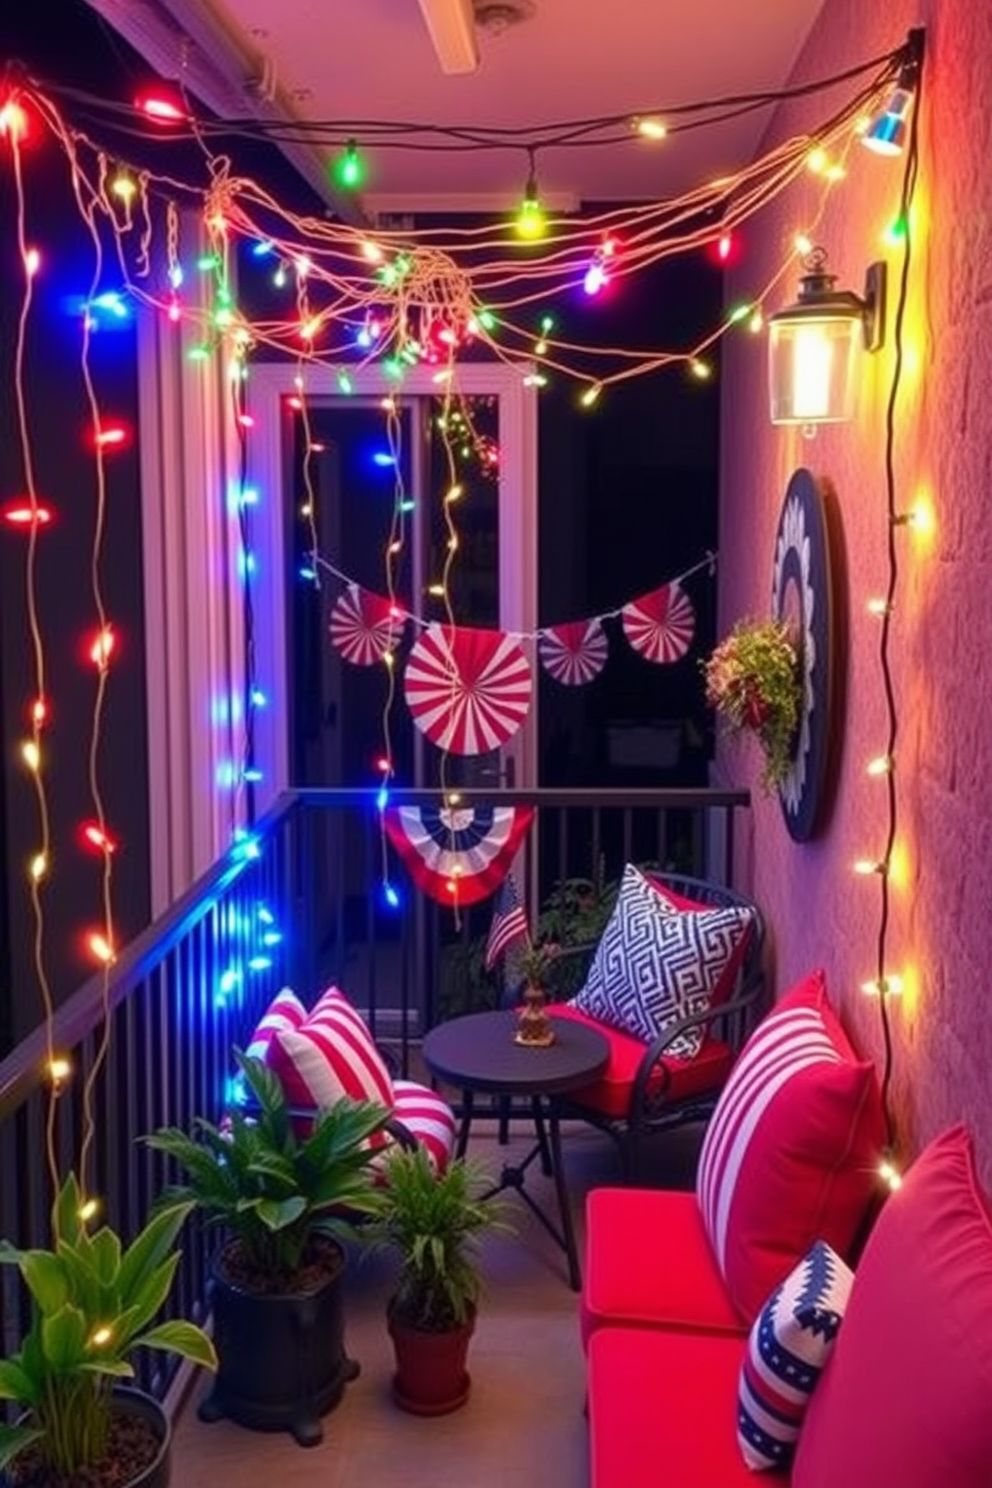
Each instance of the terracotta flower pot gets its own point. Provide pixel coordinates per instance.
(431, 1378)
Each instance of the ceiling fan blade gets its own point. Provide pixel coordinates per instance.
(451, 24)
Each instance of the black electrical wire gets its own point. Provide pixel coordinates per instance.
(910, 172)
(553, 134)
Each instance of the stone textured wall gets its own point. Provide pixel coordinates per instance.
(820, 912)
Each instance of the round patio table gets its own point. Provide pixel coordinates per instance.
(477, 1053)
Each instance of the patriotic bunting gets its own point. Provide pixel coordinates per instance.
(660, 625)
(364, 626)
(468, 690)
(574, 653)
(457, 855)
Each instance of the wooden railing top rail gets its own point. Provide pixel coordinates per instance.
(80, 1014)
(76, 1019)
(675, 798)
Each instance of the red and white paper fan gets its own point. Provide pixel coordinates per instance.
(660, 625)
(468, 690)
(364, 626)
(574, 653)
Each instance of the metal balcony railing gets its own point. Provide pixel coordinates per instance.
(298, 901)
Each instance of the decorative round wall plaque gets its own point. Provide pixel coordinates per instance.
(802, 585)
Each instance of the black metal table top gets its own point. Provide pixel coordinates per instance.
(478, 1052)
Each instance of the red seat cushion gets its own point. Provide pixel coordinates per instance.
(791, 1152)
(648, 1262)
(663, 1409)
(610, 1093)
(906, 1397)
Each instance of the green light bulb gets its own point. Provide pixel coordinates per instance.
(349, 171)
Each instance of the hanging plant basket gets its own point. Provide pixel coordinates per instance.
(753, 680)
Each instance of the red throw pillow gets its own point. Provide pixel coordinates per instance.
(727, 981)
(285, 1011)
(791, 1152)
(330, 1056)
(905, 1398)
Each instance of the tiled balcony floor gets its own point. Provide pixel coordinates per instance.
(523, 1424)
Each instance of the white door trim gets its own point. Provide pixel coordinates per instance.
(270, 384)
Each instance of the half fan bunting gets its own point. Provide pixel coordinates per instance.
(574, 653)
(660, 625)
(468, 690)
(364, 625)
(457, 855)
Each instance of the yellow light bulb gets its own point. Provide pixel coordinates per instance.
(700, 369)
(540, 347)
(816, 160)
(59, 1069)
(39, 866)
(882, 764)
(452, 799)
(89, 1209)
(452, 544)
(437, 590)
(891, 985)
(877, 607)
(101, 1336)
(651, 128)
(591, 395)
(869, 865)
(890, 1175)
(454, 493)
(756, 323)
(803, 244)
(101, 948)
(31, 754)
(124, 188)
(388, 658)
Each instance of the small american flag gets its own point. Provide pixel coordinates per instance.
(509, 923)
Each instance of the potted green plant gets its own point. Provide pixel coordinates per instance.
(93, 1302)
(752, 680)
(434, 1221)
(286, 1196)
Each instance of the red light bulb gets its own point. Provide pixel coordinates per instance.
(22, 514)
(14, 123)
(161, 109)
(111, 436)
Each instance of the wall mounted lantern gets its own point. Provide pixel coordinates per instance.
(814, 345)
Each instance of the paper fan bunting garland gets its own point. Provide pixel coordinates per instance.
(660, 625)
(468, 690)
(364, 626)
(457, 855)
(574, 653)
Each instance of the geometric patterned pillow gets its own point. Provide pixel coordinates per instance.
(656, 965)
(329, 1056)
(284, 1012)
(790, 1341)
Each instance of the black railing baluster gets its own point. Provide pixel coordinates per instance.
(186, 989)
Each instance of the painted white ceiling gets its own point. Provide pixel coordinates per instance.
(373, 59)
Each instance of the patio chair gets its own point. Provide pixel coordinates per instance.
(645, 1091)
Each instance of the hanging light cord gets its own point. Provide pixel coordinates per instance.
(907, 192)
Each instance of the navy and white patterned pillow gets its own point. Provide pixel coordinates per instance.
(656, 964)
(789, 1344)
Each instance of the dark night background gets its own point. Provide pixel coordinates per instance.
(627, 497)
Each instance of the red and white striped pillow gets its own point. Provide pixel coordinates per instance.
(285, 1012)
(791, 1152)
(329, 1056)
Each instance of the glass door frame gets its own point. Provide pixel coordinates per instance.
(271, 385)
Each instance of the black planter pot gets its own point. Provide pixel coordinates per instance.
(135, 1403)
(282, 1362)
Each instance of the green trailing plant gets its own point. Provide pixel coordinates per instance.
(752, 680)
(271, 1189)
(92, 1304)
(434, 1221)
